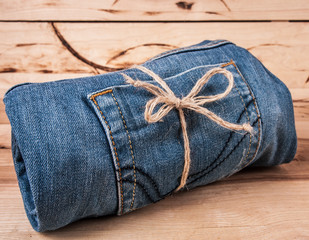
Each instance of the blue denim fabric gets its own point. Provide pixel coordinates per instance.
(82, 147)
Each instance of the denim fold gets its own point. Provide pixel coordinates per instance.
(82, 147)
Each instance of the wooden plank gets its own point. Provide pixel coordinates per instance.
(253, 201)
(254, 210)
(28, 48)
(300, 98)
(153, 10)
(6, 157)
(34, 49)
(8, 80)
(256, 203)
(302, 129)
(5, 136)
(7, 175)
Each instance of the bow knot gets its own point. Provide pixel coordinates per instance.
(178, 103)
(166, 97)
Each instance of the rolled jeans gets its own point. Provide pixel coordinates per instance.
(82, 147)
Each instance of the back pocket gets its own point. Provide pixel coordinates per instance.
(149, 157)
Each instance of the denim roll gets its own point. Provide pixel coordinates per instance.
(82, 147)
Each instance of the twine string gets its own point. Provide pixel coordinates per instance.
(166, 97)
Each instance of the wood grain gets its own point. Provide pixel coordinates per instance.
(153, 10)
(257, 203)
(268, 210)
(42, 56)
(34, 48)
(47, 40)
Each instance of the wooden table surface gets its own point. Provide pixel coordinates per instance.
(44, 40)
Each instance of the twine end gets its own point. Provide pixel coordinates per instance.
(248, 128)
(128, 79)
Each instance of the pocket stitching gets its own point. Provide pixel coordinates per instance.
(256, 110)
(221, 152)
(131, 149)
(250, 141)
(245, 108)
(112, 138)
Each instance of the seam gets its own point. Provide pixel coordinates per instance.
(147, 176)
(191, 69)
(190, 48)
(142, 187)
(112, 138)
(250, 139)
(226, 143)
(181, 73)
(255, 106)
(218, 164)
(131, 149)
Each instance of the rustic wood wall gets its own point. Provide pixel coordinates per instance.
(46, 40)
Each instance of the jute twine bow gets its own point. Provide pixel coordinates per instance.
(169, 101)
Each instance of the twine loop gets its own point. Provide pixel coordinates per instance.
(168, 101)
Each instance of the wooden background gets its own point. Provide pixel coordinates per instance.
(43, 40)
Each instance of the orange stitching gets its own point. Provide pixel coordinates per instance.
(100, 93)
(227, 64)
(131, 149)
(110, 132)
(255, 106)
